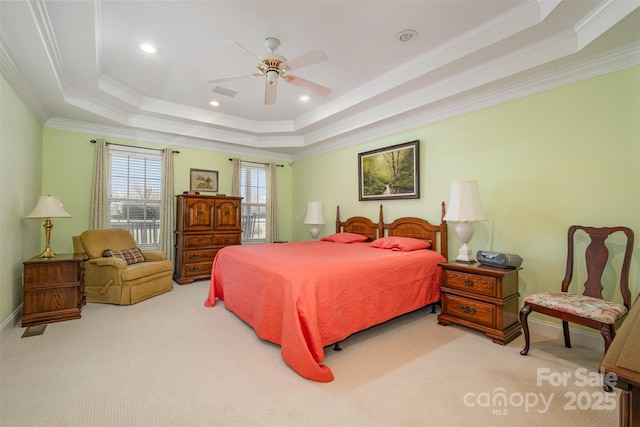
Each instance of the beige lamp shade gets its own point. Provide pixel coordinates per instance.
(48, 207)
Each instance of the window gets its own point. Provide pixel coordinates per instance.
(253, 190)
(135, 187)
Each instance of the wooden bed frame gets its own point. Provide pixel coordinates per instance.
(405, 227)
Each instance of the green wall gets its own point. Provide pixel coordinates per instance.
(565, 156)
(543, 162)
(20, 181)
(68, 173)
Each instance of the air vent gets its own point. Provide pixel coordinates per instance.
(223, 91)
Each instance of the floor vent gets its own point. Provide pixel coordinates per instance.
(34, 330)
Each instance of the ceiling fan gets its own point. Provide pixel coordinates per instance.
(274, 66)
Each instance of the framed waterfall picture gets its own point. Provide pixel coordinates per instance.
(390, 173)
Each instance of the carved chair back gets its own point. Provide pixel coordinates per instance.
(596, 259)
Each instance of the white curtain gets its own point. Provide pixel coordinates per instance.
(272, 204)
(235, 178)
(99, 212)
(167, 214)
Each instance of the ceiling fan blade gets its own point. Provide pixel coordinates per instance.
(226, 79)
(313, 87)
(270, 93)
(305, 60)
(241, 50)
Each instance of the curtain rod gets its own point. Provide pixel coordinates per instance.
(93, 141)
(257, 163)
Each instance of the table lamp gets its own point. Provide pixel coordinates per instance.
(465, 208)
(48, 207)
(314, 217)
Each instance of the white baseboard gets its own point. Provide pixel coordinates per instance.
(10, 323)
(579, 337)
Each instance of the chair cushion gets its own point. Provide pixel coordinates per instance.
(142, 270)
(579, 305)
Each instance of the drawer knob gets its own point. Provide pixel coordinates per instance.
(194, 256)
(193, 269)
(467, 309)
(468, 282)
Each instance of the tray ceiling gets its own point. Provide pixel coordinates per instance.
(77, 65)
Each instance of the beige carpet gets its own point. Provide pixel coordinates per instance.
(170, 361)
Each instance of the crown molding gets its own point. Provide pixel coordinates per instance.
(626, 57)
(95, 130)
(12, 73)
(620, 59)
(331, 128)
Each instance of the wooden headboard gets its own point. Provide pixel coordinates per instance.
(417, 228)
(360, 225)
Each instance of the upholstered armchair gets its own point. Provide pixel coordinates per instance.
(117, 272)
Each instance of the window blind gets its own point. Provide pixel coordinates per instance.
(134, 193)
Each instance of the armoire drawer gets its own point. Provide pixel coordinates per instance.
(198, 240)
(197, 268)
(198, 255)
(226, 239)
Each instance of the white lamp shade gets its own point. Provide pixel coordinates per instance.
(314, 213)
(464, 204)
(49, 207)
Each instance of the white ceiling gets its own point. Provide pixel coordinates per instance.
(76, 64)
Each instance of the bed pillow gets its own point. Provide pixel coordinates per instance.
(404, 244)
(131, 256)
(345, 238)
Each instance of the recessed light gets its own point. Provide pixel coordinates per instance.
(214, 103)
(406, 35)
(304, 98)
(148, 48)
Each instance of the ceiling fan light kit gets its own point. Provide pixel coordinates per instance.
(272, 65)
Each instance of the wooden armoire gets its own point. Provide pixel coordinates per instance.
(204, 225)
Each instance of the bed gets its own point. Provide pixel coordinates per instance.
(305, 296)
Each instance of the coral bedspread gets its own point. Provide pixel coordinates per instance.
(307, 295)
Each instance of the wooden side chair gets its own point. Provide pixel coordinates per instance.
(588, 309)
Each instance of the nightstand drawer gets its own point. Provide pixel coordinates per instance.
(48, 274)
(478, 312)
(480, 285)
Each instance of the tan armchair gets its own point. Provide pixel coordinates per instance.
(111, 279)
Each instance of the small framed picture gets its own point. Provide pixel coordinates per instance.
(390, 173)
(204, 180)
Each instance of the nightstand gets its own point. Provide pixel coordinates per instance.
(482, 298)
(52, 289)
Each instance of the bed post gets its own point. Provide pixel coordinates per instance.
(443, 233)
(337, 218)
(380, 223)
